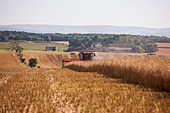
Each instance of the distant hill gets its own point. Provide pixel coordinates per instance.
(88, 29)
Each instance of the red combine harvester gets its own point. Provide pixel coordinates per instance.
(84, 55)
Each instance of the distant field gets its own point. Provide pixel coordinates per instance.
(63, 42)
(4, 45)
(163, 44)
(34, 46)
(164, 49)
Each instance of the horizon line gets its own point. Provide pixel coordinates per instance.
(70, 25)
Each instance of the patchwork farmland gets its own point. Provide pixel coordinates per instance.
(51, 88)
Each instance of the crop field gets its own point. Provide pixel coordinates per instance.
(47, 59)
(163, 44)
(149, 71)
(56, 90)
(164, 49)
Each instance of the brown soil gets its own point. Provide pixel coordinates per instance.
(47, 59)
(8, 60)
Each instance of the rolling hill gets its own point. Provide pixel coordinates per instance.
(88, 29)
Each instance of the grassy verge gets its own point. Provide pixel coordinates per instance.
(3, 50)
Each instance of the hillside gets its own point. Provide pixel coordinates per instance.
(8, 60)
(88, 29)
(46, 59)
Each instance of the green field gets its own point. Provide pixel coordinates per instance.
(33, 46)
(5, 50)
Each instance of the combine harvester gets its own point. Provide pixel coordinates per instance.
(84, 55)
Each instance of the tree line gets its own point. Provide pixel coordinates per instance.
(137, 42)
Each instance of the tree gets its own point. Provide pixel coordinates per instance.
(151, 47)
(15, 46)
(4, 38)
(22, 59)
(137, 49)
(40, 39)
(29, 38)
(33, 62)
(48, 38)
(34, 38)
(18, 49)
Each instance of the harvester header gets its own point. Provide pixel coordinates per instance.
(84, 55)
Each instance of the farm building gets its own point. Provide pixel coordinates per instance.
(50, 48)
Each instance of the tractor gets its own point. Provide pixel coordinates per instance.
(84, 55)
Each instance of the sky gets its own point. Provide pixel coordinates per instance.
(143, 13)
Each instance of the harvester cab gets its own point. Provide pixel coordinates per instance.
(86, 55)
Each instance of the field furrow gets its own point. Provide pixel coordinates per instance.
(45, 90)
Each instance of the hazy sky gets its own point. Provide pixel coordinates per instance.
(144, 13)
